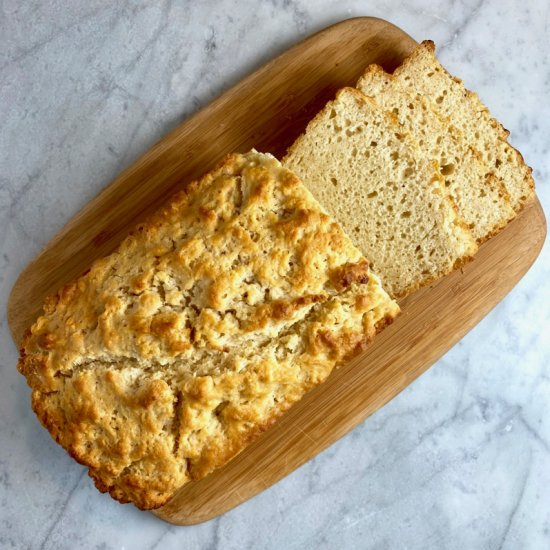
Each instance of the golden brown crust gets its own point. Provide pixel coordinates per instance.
(168, 356)
(346, 275)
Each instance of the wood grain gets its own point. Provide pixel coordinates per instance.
(268, 110)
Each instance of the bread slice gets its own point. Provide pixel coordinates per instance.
(422, 74)
(205, 325)
(359, 163)
(481, 198)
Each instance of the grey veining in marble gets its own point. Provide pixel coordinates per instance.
(459, 460)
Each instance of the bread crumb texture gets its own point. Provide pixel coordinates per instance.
(421, 73)
(390, 198)
(481, 198)
(208, 322)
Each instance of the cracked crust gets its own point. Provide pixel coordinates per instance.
(208, 322)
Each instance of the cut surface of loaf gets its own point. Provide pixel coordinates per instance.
(422, 74)
(169, 355)
(481, 198)
(361, 165)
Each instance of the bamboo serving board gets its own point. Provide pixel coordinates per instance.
(268, 110)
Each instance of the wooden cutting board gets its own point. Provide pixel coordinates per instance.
(268, 110)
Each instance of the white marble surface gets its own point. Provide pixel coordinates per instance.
(461, 459)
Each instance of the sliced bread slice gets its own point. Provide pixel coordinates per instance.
(371, 176)
(481, 198)
(422, 73)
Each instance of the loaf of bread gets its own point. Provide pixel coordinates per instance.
(208, 322)
(366, 170)
(481, 198)
(422, 74)
(167, 357)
